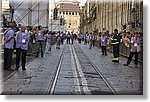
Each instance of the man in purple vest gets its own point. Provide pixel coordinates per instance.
(40, 41)
(8, 47)
(22, 41)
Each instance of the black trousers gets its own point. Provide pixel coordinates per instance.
(79, 40)
(68, 40)
(40, 48)
(116, 50)
(62, 40)
(7, 58)
(71, 40)
(130, 58)
(22, 53)
(85, 41)
(93, 43)
(104, 52)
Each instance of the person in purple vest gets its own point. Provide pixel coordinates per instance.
(103, 42)
(94, 39)
(62, 37)
(8, 47)
(22, 41)
(90, 40)
(48, 41)
(40, 41)
(72, 37)
(135, 49)
(58, 41)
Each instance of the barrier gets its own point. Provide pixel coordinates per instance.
(125, 51)
(33, 47)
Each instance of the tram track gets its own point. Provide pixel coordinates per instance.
(82, 85)
(56, 74)
(98, 72)
(83, 77)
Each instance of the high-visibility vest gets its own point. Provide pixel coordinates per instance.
(115, 39)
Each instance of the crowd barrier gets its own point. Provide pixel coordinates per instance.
(33, 46)
(124, 50)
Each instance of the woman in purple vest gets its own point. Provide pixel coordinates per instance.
(135, 48)
(22, 41)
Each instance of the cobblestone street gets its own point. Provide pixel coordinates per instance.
(75, 69)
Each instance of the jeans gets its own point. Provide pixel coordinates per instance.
(40, 48)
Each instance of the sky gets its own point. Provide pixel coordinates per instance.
(82, 2)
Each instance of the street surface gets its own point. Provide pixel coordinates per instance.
(75, 70)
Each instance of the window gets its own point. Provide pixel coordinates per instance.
(72, 13)
(69, 13)
(60, 12)
(76, 13)
(63, 12)
(66, 13)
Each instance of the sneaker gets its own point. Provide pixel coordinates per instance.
(49, 49)
(125, 64)
(117, 61)
(113, 60)
(23, 68)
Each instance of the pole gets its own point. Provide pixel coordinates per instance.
(47, 13)
(38, 12)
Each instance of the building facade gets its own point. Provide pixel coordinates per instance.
(99, 15)
(69, 12)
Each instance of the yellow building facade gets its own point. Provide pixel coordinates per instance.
(122, 15)
(70, 12)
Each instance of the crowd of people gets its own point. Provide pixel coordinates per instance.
(39, 35)
(105, 39)
(17, 37)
